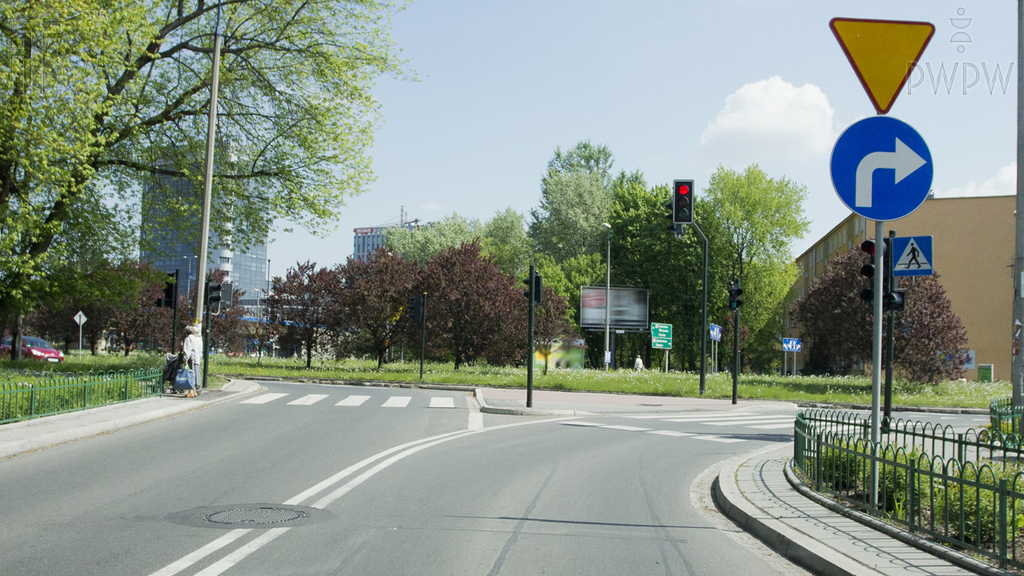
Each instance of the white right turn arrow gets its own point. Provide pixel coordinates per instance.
(904, 160)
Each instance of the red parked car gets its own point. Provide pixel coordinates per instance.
(32, 349)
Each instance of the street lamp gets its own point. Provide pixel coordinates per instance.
(607, 295)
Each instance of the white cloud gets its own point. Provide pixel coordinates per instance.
(771, 118)
(1004, 183)
(432, 206)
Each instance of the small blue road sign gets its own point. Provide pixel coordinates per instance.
(790, 344)
(912, 256)
(716, 332)
(881, 168)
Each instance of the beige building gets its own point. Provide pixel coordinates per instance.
(972, 254)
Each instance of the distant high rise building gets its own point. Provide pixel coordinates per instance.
(367, 240)
(169, 249)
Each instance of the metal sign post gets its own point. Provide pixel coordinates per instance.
(80, 319)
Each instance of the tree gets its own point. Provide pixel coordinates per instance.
(758, 219)
(99, 99)
(551, 324)
(471, 306)
(375, 298)
(505, 240)
(302, 305)
(930, 338)
(421, 243)
(575, 199)
(132, 316)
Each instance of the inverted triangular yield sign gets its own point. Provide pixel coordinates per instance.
(882, 53)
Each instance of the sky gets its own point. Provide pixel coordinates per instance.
(675, 89)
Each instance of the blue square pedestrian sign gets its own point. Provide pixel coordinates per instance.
(912, 256)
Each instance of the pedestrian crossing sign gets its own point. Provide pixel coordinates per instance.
(914, 256)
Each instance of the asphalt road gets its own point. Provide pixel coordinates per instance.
(392, 481)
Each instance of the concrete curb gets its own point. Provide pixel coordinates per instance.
(486, 408)
(952, 556)
(73, 433)
(791, 544)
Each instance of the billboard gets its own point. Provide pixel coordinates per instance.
(628, 309)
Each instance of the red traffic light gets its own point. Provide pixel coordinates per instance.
(868, 246)
(683, 189)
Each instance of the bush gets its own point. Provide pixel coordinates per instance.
(972, 512)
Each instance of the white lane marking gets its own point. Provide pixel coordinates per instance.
(743, 418)
(263, 399)
(238, 555)
(476, 421)
(442, 402)
(176, 567)
(749, 422)
(397, 402)
(626, 428)
(670, 433)
(581, 423)
(179, 565)
(308, 400)
(719, 439)
(773, 426)
(353, 401)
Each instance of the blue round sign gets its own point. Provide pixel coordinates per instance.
(881, 168)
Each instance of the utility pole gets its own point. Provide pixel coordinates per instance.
(211, 133)
(1017, 365)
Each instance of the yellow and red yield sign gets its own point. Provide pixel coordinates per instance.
(882, 53)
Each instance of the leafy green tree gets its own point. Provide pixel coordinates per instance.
(98, 100)
(551, 324)
(505, 240)
(759, 218)
(576, 198)
(418, 245)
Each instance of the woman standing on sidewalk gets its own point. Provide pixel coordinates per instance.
(192, 352)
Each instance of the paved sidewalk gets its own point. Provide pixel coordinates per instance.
(764, 498)
(26, 436)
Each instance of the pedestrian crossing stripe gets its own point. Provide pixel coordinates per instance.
(912, 256)
(308, 400)
(263, 399)
(350, 401)
(397, 402)
(353, 401)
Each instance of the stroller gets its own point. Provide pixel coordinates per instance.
(175, 362)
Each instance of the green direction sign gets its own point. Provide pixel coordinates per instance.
(661, 336)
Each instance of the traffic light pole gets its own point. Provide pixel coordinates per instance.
(890, 336)
(876, 355)
(529, 352)
(423, 331)
(704, 316)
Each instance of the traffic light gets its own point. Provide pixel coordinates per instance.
(734, 296)
(169, 299)
(219, 293)
(538, 288)
(682, 201)
(213, 293)
(868, 270)
(895, 301)
(417, 307)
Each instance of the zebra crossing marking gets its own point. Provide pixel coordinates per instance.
(442, 402)
(773, 426)
(263, 399)
(749, 422)
(308, 400)
(670, 433)
(397, 402)
(353, 400)
(712, 438)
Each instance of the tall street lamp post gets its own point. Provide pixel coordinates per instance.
(607, 296)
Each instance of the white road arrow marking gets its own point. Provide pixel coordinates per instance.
(904, 160)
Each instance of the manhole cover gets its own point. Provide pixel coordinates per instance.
(262, 515)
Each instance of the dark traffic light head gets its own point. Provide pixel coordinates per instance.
(734, 296)
(682, 201)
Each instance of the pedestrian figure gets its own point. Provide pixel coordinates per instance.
(639, 364)
(913, 257)
(192, 353)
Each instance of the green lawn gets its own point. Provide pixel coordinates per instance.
(788, 388)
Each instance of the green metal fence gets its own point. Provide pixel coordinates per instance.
(965, 490)
(1005, 417)
(21, 401)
